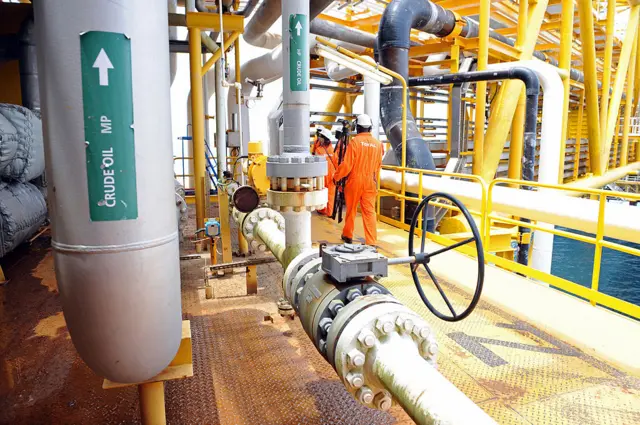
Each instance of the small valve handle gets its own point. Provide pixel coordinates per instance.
(422, 258)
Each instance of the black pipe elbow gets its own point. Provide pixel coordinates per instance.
(528, 77)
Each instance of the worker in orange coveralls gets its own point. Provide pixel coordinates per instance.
(323, 147)
(361, 166)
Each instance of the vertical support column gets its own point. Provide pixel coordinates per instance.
(618, 85)
(372, 104)
(225, 230)
(481, 87)
(152, 402)
(628, 106)
(197, 121)
(587, 39)
(516, 145)
(503, 111)
(606, 73)
(566, 42)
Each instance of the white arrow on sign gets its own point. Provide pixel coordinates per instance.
(104, 65)
(298, 28)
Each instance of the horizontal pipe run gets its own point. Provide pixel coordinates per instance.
(545, 206)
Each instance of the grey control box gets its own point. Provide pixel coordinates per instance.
(348, 261)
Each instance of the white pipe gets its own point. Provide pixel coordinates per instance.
(173, 35)
(426, 395)
(372, 104)
(621, 221)
(221, 120)
(550, 146)
(434, 69)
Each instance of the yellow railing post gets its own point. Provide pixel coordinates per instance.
(597, 257)
(587, 38)
(566, 44)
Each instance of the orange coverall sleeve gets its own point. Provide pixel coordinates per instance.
(347, 164)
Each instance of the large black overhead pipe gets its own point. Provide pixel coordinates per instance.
(532, 89)
(398, 19)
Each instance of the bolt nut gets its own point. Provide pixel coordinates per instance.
(248, 227)
(335, 306)
(355, 358)
(262, 213)
(254, 244)
(353, 293)
(367, 338)
(253, 219)
(355, 380)
(408, 325)
(372, 290)
(365, 395)
(421, 331)
(428, 348)
(384, 326)
(323, 346)
(325, 324)
(262, 247)
(382, 401)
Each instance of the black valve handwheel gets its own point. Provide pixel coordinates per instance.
(423, 258)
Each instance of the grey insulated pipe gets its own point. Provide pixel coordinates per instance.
(28, 64)
(532, 88)
(114, 227)
(255, 32)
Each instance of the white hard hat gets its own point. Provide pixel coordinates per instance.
(364, 120)
(326, 133)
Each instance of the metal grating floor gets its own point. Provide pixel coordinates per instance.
(252, 371)
(513, 370)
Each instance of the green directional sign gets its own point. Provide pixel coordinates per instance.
(108, 125)
(299, 57)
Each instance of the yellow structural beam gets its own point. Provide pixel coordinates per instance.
(587, 38)
(197, 120)
(211, 21)
(502, 113)
(481, 86)
(576, 165)
(628, 106)
(606, 73)
(516, 145)
(218, 54)
(566, 44)
(618, 85)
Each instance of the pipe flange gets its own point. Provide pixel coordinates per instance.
(360, 329)
(294, 267)
(298, 201)
(300, 279)
(291, 166)
(251, 220)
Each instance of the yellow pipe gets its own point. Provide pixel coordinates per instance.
(334, 105)
(566, 42)
(603, 180)
(413, 105)
(197, 120)
(225, 46)
(587, 38)
(636, 84)
(502, 113)
(152, 394)
(606, 74)
(481, 87)
(576, 165)
(618, 85)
